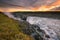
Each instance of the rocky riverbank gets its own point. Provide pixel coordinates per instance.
(38, 26)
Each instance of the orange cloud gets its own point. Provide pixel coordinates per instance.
(39, 8)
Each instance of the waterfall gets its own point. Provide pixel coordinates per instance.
(43, 25)
(50, 27)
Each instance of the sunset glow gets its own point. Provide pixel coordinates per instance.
(40, 8)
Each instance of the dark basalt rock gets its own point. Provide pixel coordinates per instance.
(9, 29)
(34, 30)
(29, 30)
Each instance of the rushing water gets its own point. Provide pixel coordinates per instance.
(43, 24)
(50, 27)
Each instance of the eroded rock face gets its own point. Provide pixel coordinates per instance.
(40, 28)
(9, 29)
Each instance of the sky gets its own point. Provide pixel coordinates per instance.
(25, 4)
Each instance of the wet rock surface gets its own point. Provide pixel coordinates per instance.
(10, 30)
(51, 24)
(41, 28)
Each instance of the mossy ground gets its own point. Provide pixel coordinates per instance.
(9, 29)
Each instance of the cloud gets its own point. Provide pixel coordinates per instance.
(25, 3)
(58, 8)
